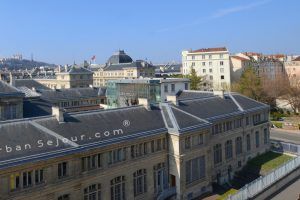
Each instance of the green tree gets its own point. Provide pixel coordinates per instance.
(249, 85)
(195, 79)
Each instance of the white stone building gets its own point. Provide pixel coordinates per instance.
(212, 64)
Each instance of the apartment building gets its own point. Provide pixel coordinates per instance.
(175, 150)
(121, 66)
(292, 69)
(69, 77)
(212, 64)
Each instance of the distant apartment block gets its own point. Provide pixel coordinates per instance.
(69, 77)
(292, 69)
(122, 66)
(212, 64)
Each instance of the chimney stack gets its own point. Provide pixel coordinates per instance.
(11, 79)
(173, 99)
(58, 113)
(144, 102)
(219, 93)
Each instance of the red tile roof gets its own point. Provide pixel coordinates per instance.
(209, 49)
(239, 58)
(297, 59)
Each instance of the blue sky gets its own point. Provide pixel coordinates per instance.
(61, 31)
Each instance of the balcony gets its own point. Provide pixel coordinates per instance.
(167, 193)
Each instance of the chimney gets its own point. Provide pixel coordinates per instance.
(59, 69)
(173, 99)
(144, 102)
(58, 113)
(219, 93)
(11, 79)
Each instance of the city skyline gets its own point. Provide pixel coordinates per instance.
(64, 32)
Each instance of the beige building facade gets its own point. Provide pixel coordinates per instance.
(121, 66)
(212, 64)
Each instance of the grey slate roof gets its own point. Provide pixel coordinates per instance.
(36, 108)
(8, 90)
(30, 83)
(119, 57)
(121, 66)
(72, 93)
(95, 129)
(189, 94)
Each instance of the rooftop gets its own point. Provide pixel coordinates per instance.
(95, 129)
(209, 50)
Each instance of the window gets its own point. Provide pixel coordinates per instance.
(228, 149)
(166, 88)
(15, 181)
(248, 142)
(152, 146)
(145, 148)
(203, 63)
(256, 119)
(221, 63)
(195, 169)
(27, 179)
(91, 162)
(187, 142)
(217, 128)
(257, 139)
(92, 192)
(217, 153)
(164, 143)
(238, 146)
(211, 77)
(117, 188)
(210, 70)
(193, 57)
(265, 136)
(160, 178)
(117, 155)
(158, 145)
(247, 121)
(193, 64)
(222, 77)
(140, 182)
(222, 70)
(221, 55)
(203, 56)
(39, 176)
(210, 56)
(200, 139)
(62, 170)
(173, 87)
(186, 86)
(64, 197)
(204, 70)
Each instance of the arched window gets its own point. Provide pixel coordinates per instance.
(140, 182)
(228, 149)
(92, 192)
(160, 180)
(238, 145)
(117, 188)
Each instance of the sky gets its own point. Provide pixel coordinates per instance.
(64, 31)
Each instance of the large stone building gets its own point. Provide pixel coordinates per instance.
(212, 64)
(175, 150)
(69, 77)
(121, 66)
(11, 102)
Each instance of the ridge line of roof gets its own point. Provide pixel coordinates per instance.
(235, 101)
(198, 118)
